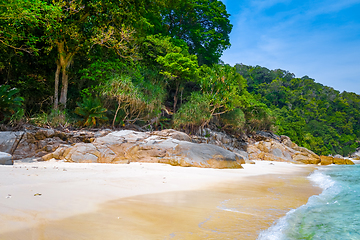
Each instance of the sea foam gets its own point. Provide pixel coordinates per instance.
(279, 230)
(334, 214)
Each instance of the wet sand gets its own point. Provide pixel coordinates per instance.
(231, 208)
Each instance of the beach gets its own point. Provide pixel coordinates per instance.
(59, 200)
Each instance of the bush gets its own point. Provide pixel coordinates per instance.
(91, 111)
(194, 113)
(10, 104)
(56, 118)
(233, 120)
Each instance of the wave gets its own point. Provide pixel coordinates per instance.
(289, 224)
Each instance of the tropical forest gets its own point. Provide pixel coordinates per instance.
(152, 65)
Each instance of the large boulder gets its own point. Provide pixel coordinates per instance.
(168, 146)
(356, 155)
(8, 140)
(5, 159)
(327, 160)
(37, 142)
(271, 149)
(343, 161)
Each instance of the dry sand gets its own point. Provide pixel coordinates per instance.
(58, 200)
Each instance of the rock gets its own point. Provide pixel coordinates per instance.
(287, 141)
(82, 153)
(240, 153)
(5, 159)
(338, 156)
(204, 155)
(342, 161)
(38, 142)
(356, 155)
(8, 139)
(327, 160)
(285, 151)
(173, 134)
(263, 136)
(168, 146)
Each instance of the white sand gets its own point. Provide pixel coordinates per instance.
(31, 193)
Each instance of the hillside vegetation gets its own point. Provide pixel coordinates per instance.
(312, 115)
(155, 64)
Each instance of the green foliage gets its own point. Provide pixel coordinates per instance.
(175, 62)
(196, 112)
(10, 104)
(138, 100)
(203, 24)
(258, 117)
(55, 118)
(224, 87)
(91, 111)
(223, 95)
(312, 115)
(22, 23)
(233, 120)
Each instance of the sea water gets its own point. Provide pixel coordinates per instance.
(334, 214)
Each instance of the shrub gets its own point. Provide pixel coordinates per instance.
(233, 120)
(10, 104)
(55, 118)
(91, 111)
(194, 113)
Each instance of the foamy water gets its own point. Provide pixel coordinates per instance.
(334, 214)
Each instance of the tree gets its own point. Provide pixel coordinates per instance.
(71, 27)
(83, 25)
(176, 63)
(21, 23)
(222, 90)
(203, 24)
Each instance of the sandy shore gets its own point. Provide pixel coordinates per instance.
(57, 200)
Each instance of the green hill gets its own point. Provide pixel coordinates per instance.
(312, 115)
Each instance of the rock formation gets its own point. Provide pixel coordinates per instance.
(327, 160)
(40, 141)
(206, 149)
(167, 146)
(5, 159)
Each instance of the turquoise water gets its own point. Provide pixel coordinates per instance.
(332, 215)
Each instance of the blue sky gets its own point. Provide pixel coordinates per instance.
(320, 39)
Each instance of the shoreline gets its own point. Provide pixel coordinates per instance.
(155, 195)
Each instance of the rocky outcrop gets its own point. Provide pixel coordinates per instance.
(280, 149)
(327, 160)
(206, 149)
(5, 159)
(223, 140)
(356, 155)
(167, 146)
(38, 142)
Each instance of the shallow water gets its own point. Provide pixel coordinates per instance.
(334, 214)
(236, 210)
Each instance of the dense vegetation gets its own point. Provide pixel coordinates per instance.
(154, 64)
(314, 116)
(111, 63)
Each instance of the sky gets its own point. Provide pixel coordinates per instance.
(320, 39)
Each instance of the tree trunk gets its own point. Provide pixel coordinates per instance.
(56, 94)
(63, 62)
(175, 97)
(64, 88)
